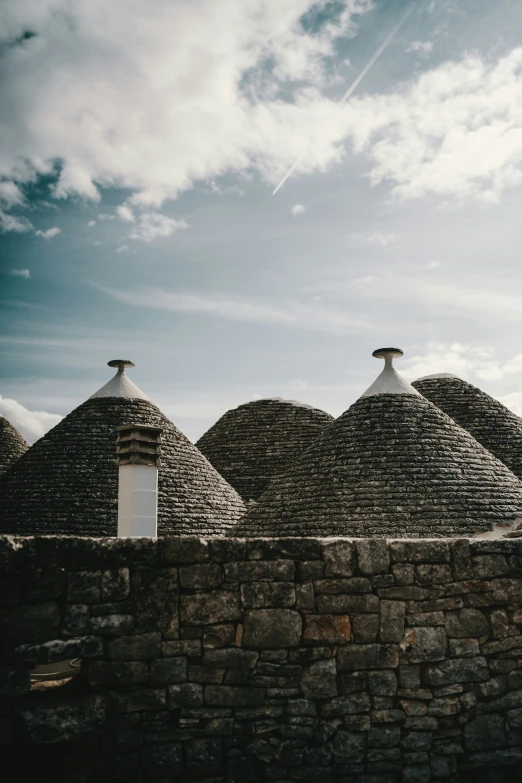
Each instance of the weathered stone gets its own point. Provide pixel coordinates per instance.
(145, 700)
(155, 593)
(487, 566)
(304, 595)
(425, 618)
(63, 720)
(60, 650)
(310, 570)
(352, 704)
(367, 656)
(115, 584)
(179, 647)
(205, 576)
(319, 681)
(135, 648)
(339, 558)
(423, 644)
(429, 574)
(499, 623)
(225, 696)
(224, 550)
(326, 629)
(349, 746)
(356, 584)
(373, 556)
(384, 736)
(330, 604)
(365, 628)
(466, 622)
(185, 549)
(461, 559)
(164, 758)
(272, 628)
(76, 620)
(409, 676)
(301, 707)
(206, 608)
(276, 570)
(233, 657)
(260, 595)
(118, 673)
(463, 648)
(456, 671)
(187, 694)
(112, 624)
(403, 573)
(485, 732)
(219, 636)
(382, 683)
(84, 587)
(34, 622)
(164, 671)
(422, 551)
(393, 615)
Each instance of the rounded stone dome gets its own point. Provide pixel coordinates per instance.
(67, 483)
(12, 445)
(392, 465)
(255, 442)
(497, 428)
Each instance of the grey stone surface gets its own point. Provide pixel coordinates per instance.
(272, 628)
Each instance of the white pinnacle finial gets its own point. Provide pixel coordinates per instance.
(120, 385)
(389, 381)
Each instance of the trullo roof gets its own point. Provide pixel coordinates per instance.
(12, 445)
(392, 465)
(67, 483)
(252, 444)
(497, 428)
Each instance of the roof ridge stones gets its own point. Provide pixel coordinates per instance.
(67, 482)
(12, 445)
(392, 465)
(489, 421)
(252, 444)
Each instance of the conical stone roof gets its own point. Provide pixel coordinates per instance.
(255, 442)
(67, 483)
(497, 428)
(392, 465)
(12, 445)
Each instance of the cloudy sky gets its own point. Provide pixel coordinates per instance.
(140, 145)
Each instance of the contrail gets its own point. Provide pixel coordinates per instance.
(357, 81)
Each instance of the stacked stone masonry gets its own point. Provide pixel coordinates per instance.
(233, 660)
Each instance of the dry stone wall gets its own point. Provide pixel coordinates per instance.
(232, 660)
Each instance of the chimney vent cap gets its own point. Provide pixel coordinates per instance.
(121, 363)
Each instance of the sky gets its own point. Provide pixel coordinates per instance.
(141, 142)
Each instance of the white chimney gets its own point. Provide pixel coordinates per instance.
(138, 453)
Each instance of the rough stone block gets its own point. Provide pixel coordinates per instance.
(365, 628)
(352, 704)
(382, 683)
(118, 673)
(433, 574)
(459, 670)
(291, 548)
(463, 648)
(135, 648)
(276, 570)
(260, 595)
(84, 586)
(373, 556)
(76, 621)
(187, 694)
(423, 644)
(403, 573)
(164, 671)
(304, 594)
(347, 604)
(64, 719)
(185, 549)
(205, 576)
(367, 656)
(499, 623)
(165, 758)
(466, 622)
(485, 732)
(461, 559)
(272, 628)
(233, 657)
(115, 584)
(326, 629)
(206, 608)
(384, 736)
(112, 624)
(231, 696)
(145, 700)
(421, 551)
(225, 550)
(60, 650)
(487, 566)
(339, 558)
(34, 622)
(219, 636)
(393, 615)
(319, 681)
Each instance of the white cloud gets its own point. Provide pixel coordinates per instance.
(122, 248)
(365, 280)
(31, 424)
(456, 131)
(12, 223)
(297, 210)
(420, 46)
(91, 223)
(464, 361)
(287, 312)
(182, 94)
(20, 273)
(106, 216)
(50, 233)
(152, 225)
(10, 194)
(125, 213)
(382, 239)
